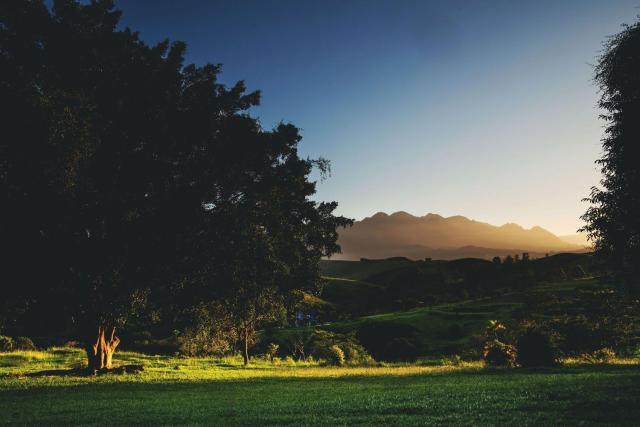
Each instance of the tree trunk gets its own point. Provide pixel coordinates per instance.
(245, 354)
(100, 354)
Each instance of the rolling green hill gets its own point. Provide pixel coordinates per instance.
(452, 327)
(360, 270)
(446, 305)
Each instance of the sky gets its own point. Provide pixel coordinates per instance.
(479, 108)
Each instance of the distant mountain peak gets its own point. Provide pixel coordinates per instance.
(432, 216)
(402, 215)
(458, 218)
(511, 226)
(402, 234)
(379, 215)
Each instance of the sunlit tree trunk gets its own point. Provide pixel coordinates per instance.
(245, 353)
(100, 353)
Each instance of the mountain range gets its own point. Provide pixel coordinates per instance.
(433, 236)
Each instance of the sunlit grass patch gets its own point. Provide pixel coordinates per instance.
(628, 361)
(205, 391)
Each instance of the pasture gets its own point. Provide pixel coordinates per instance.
(42, 387)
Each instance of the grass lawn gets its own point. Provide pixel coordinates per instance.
(171, 390)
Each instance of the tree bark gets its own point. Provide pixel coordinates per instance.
(100, 354)
(245, 354)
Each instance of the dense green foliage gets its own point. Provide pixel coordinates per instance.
(581, 314)
(135, 187)
(498, 353)
(535, 349)
(613, 219)
(391, 341)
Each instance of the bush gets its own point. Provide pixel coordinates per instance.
(455, 332)
(402, 349)
(336, 356)
(210, 334)
(169, 345)
(391, 341)
(579, 336)
(23, 343)
(603, 355)
(451, 349)
(320, 345)
(454, 360)
(272, 351)
(497, 353)
(6, 343)
(534, 349)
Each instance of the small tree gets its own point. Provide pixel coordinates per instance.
(251, 309)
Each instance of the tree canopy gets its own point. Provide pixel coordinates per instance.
(127, 175)
(613, 219)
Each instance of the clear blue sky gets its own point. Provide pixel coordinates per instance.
(478, 108)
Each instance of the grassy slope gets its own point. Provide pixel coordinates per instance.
(205, 391)
(357, 270)
(471, 315)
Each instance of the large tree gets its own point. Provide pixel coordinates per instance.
(127, 176)
(613, 219)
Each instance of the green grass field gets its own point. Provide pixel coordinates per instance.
(39, 388)
(47, 388)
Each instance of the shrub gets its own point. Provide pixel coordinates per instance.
(23, 343)
(495, 330)
(210, 334)
(497, 353)
(298, 344)
(579, 335)
(355, 353)
(391, 341)
(169, 345)
(603, 355)
(320, 345)
(336, 356)
(272, 351)
(454, 360)
(534, 349)
(451, 349)
(402, 349)
(455, 332)
(6, 343)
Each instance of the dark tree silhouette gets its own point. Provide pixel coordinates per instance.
(613, 219)
(128, 176)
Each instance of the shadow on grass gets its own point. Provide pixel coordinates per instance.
(74, 372)
(84, 372)
(371, 377)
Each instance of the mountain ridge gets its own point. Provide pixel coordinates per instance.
(432, 235)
